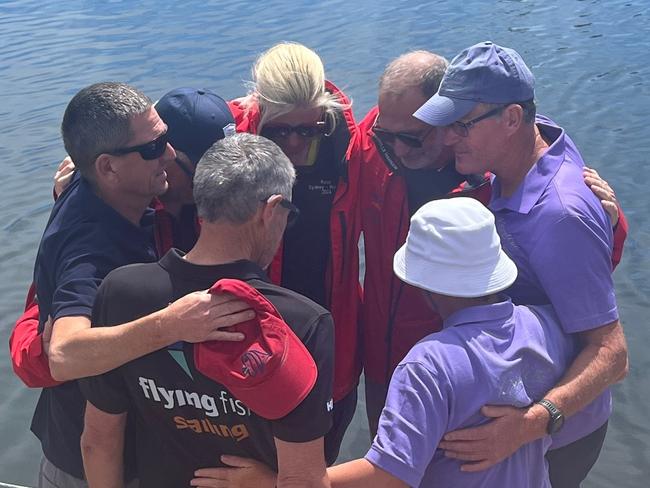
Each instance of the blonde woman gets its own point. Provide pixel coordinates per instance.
(291, 102)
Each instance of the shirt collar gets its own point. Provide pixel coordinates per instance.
(94, 205)
(540, 175)
(481, 314)
(242, 269)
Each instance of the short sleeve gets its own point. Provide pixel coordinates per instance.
(313, 417)
(412, 423)
(80, 269)
(573, 263)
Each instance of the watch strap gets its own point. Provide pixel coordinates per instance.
(556, 419)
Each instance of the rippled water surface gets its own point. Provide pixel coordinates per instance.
(590, 58)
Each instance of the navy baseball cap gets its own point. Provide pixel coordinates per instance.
(196, 119)
(482, 73)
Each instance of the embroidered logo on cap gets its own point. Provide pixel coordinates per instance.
(229, 130)
(253, 362)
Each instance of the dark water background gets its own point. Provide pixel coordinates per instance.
(590, 58)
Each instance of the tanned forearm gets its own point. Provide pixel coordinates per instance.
(102, 449)
(77, 350)
(601, 362)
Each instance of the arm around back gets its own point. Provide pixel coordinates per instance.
(77, 350)
(361, 473)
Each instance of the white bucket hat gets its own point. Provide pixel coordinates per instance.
(453, 249)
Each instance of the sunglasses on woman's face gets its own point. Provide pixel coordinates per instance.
(148, 151)
(282, 131)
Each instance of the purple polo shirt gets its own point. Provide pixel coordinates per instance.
(556, 231)
(497, 354)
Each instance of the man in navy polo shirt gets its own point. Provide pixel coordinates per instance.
(557, 233)
(119, 145)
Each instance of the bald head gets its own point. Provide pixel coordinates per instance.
(421, 69)
(407, 83)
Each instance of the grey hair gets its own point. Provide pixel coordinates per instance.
(530, 110)
(289, 76)
(236, 174)
(528, 107)
(98, 120)
(421, 69)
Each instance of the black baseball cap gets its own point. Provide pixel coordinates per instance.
(196, 119)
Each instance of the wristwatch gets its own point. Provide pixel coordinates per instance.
(556, 421)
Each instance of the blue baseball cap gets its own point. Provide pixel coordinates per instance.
(482, 73)
(195, 119)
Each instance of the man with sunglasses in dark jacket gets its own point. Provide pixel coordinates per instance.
(121, 150)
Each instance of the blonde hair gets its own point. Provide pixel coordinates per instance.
(289, 76)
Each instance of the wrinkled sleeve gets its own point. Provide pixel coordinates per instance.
(412, 423)
(573, 263)
(79, 271)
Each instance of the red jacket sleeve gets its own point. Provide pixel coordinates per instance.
(26, 347)
(620, 233)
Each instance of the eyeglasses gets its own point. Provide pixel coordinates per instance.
(282, 131)
(150, 150)
(411, 140)
(294, 212)
(462, 128)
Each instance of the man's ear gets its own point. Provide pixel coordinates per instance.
(270, 208)
(514, 118)
(105, 169)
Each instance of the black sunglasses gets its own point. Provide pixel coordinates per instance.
(294, 212)
(411, 140)
(282, 131)
(150, 150)
(462, 128)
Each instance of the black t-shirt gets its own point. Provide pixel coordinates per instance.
(424, 185)
(84, 240)
(306, 247)
(185, 421)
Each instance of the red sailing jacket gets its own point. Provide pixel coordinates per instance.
(25, 345)
(342, 276)
(395, 315)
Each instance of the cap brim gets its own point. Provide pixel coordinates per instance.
(440, 111)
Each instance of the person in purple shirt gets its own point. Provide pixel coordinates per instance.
(489, 351)
(561, 240)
